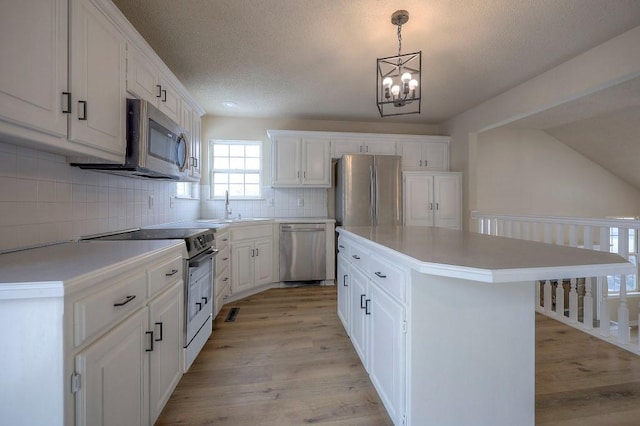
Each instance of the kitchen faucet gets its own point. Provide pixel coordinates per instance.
(227, 205)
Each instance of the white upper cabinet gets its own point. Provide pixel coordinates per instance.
(97, 78)
(68, 67)
(33, 72)
(433, 199)
(361, 145)
(300, 160)
(427, 155)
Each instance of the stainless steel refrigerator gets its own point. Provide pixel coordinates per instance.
(368, 190)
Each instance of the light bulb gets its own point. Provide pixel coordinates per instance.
(413, 84)
(405, 77)
(387, 82)
(395, 90)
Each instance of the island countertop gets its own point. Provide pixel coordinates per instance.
(485, 258)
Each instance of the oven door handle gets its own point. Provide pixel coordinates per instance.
(201, 258)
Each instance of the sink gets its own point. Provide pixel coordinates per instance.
(236, 220)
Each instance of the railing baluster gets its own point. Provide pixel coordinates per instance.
(547, 233)
(623, 310)
(560, 234)
(587, 301)
(605, 325)
(547, 296)
(525, 230)
(508, 228)
(573, 289)
(536, 231)
(560, 298)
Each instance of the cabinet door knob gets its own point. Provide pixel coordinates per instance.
(164, 95)
(199, 306)
(366, 307)
(125, 300)
(172, 273)
(362, 301)
(380, 275)
(150, 333)
(68, 109)
(159, 91)
(159, 339)
(344, 280)
(356, 257)
(84, 110)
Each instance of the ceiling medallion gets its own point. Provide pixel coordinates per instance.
(398, 77)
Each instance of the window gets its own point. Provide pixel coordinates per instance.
(235, 167)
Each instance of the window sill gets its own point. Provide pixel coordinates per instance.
(186, 197)
(231, 200)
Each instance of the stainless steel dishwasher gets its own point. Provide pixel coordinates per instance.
(303, 252)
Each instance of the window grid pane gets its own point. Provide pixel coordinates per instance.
(235, 168)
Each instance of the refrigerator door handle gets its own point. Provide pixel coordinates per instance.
(372, 187)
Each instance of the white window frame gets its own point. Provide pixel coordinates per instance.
(259, 143)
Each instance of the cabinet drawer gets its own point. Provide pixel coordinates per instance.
(390, 278)
(358, 256)
(98, 311)
(222, 240)
(164, 274)
(343, 247)
(223, 280)
(222, 259)
(245, 233)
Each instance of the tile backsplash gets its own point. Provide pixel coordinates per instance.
(43, 200)
(275, 202)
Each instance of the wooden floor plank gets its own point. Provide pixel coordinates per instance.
(286, 360)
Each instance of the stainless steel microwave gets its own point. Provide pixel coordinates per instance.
(157, 148)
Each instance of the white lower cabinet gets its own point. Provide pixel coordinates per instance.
(113, 376)
(375, 320)
(125, 371)
(342, 282)
(165, 320)
(433, 199)
(251, 258)
(358, 307)
(222, 282)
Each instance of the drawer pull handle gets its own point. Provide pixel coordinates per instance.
(172, 273)
(366, 307)
(340, 246)
(199, 306)
(159, 339)
(344, 280)
(380, 275)
(356, 257)
(362, 302)
(205, 300)
(225, 279)
(225, 258)
(150, 333)
(225, 239)
(125, 300)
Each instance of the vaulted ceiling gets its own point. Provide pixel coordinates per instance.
(315, 59)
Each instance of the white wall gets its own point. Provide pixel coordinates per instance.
(520, 171)
(612, 62)
(43, 200)
(282, 202)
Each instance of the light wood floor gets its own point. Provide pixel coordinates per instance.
(286, 360)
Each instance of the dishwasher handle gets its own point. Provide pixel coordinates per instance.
(303, 228)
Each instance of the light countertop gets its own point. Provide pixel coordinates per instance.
(220, 224)
(486, 258)
(51, 266)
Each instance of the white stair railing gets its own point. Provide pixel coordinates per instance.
(585, 303)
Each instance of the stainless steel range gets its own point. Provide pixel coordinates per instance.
(198, 280)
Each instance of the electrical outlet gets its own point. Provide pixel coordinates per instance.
(300, 202)
(151, 201)
(270, 202)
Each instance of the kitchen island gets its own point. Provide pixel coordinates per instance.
(443, 320)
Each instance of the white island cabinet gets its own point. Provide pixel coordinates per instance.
(443, 320)
(94, 332)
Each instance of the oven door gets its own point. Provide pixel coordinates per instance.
(199, 297)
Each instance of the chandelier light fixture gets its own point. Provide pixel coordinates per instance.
(398, 77)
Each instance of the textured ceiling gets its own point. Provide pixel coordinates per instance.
(316, 58)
